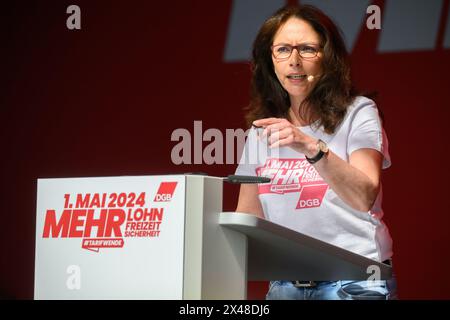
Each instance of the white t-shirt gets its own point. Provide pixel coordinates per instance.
(299, 199)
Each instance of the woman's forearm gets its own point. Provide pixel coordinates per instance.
(359, 189)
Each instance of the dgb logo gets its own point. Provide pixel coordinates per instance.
(165, 192)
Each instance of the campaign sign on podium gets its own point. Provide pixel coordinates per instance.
(110, 238)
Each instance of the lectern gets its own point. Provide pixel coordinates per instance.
(166, 237)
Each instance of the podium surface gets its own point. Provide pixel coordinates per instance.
(279, 253)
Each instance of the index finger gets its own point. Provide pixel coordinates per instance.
(266, 122)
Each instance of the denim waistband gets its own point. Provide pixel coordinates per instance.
(311, 283)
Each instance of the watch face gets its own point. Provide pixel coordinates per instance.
(323, 146)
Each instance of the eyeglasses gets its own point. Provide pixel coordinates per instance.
(284, 51)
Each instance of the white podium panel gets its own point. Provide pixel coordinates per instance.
(110, 238)
(149, 237)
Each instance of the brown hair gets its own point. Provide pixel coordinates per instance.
(333, 92)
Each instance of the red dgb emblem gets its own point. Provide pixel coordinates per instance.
(165, 191)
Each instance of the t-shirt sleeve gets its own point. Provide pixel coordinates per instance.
(248, 162)
(367, 130)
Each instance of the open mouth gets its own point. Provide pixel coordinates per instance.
(296, 76)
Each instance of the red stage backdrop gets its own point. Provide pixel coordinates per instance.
(105, 99)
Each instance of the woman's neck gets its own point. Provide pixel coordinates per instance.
(295, 118)
(294, 113)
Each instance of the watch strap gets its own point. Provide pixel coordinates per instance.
(318, 156)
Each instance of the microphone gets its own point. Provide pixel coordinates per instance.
(235, 179)
(245, 179)
(311, 77)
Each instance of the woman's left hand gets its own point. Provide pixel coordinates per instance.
(280, 133)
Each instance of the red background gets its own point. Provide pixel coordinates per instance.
(104, 100)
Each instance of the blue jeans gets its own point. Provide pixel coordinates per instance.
(335, 290)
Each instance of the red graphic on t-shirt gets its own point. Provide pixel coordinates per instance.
(311, 196)
(293, 175)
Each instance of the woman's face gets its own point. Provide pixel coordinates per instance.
(293, 72)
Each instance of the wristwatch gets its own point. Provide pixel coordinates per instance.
(323, 149)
